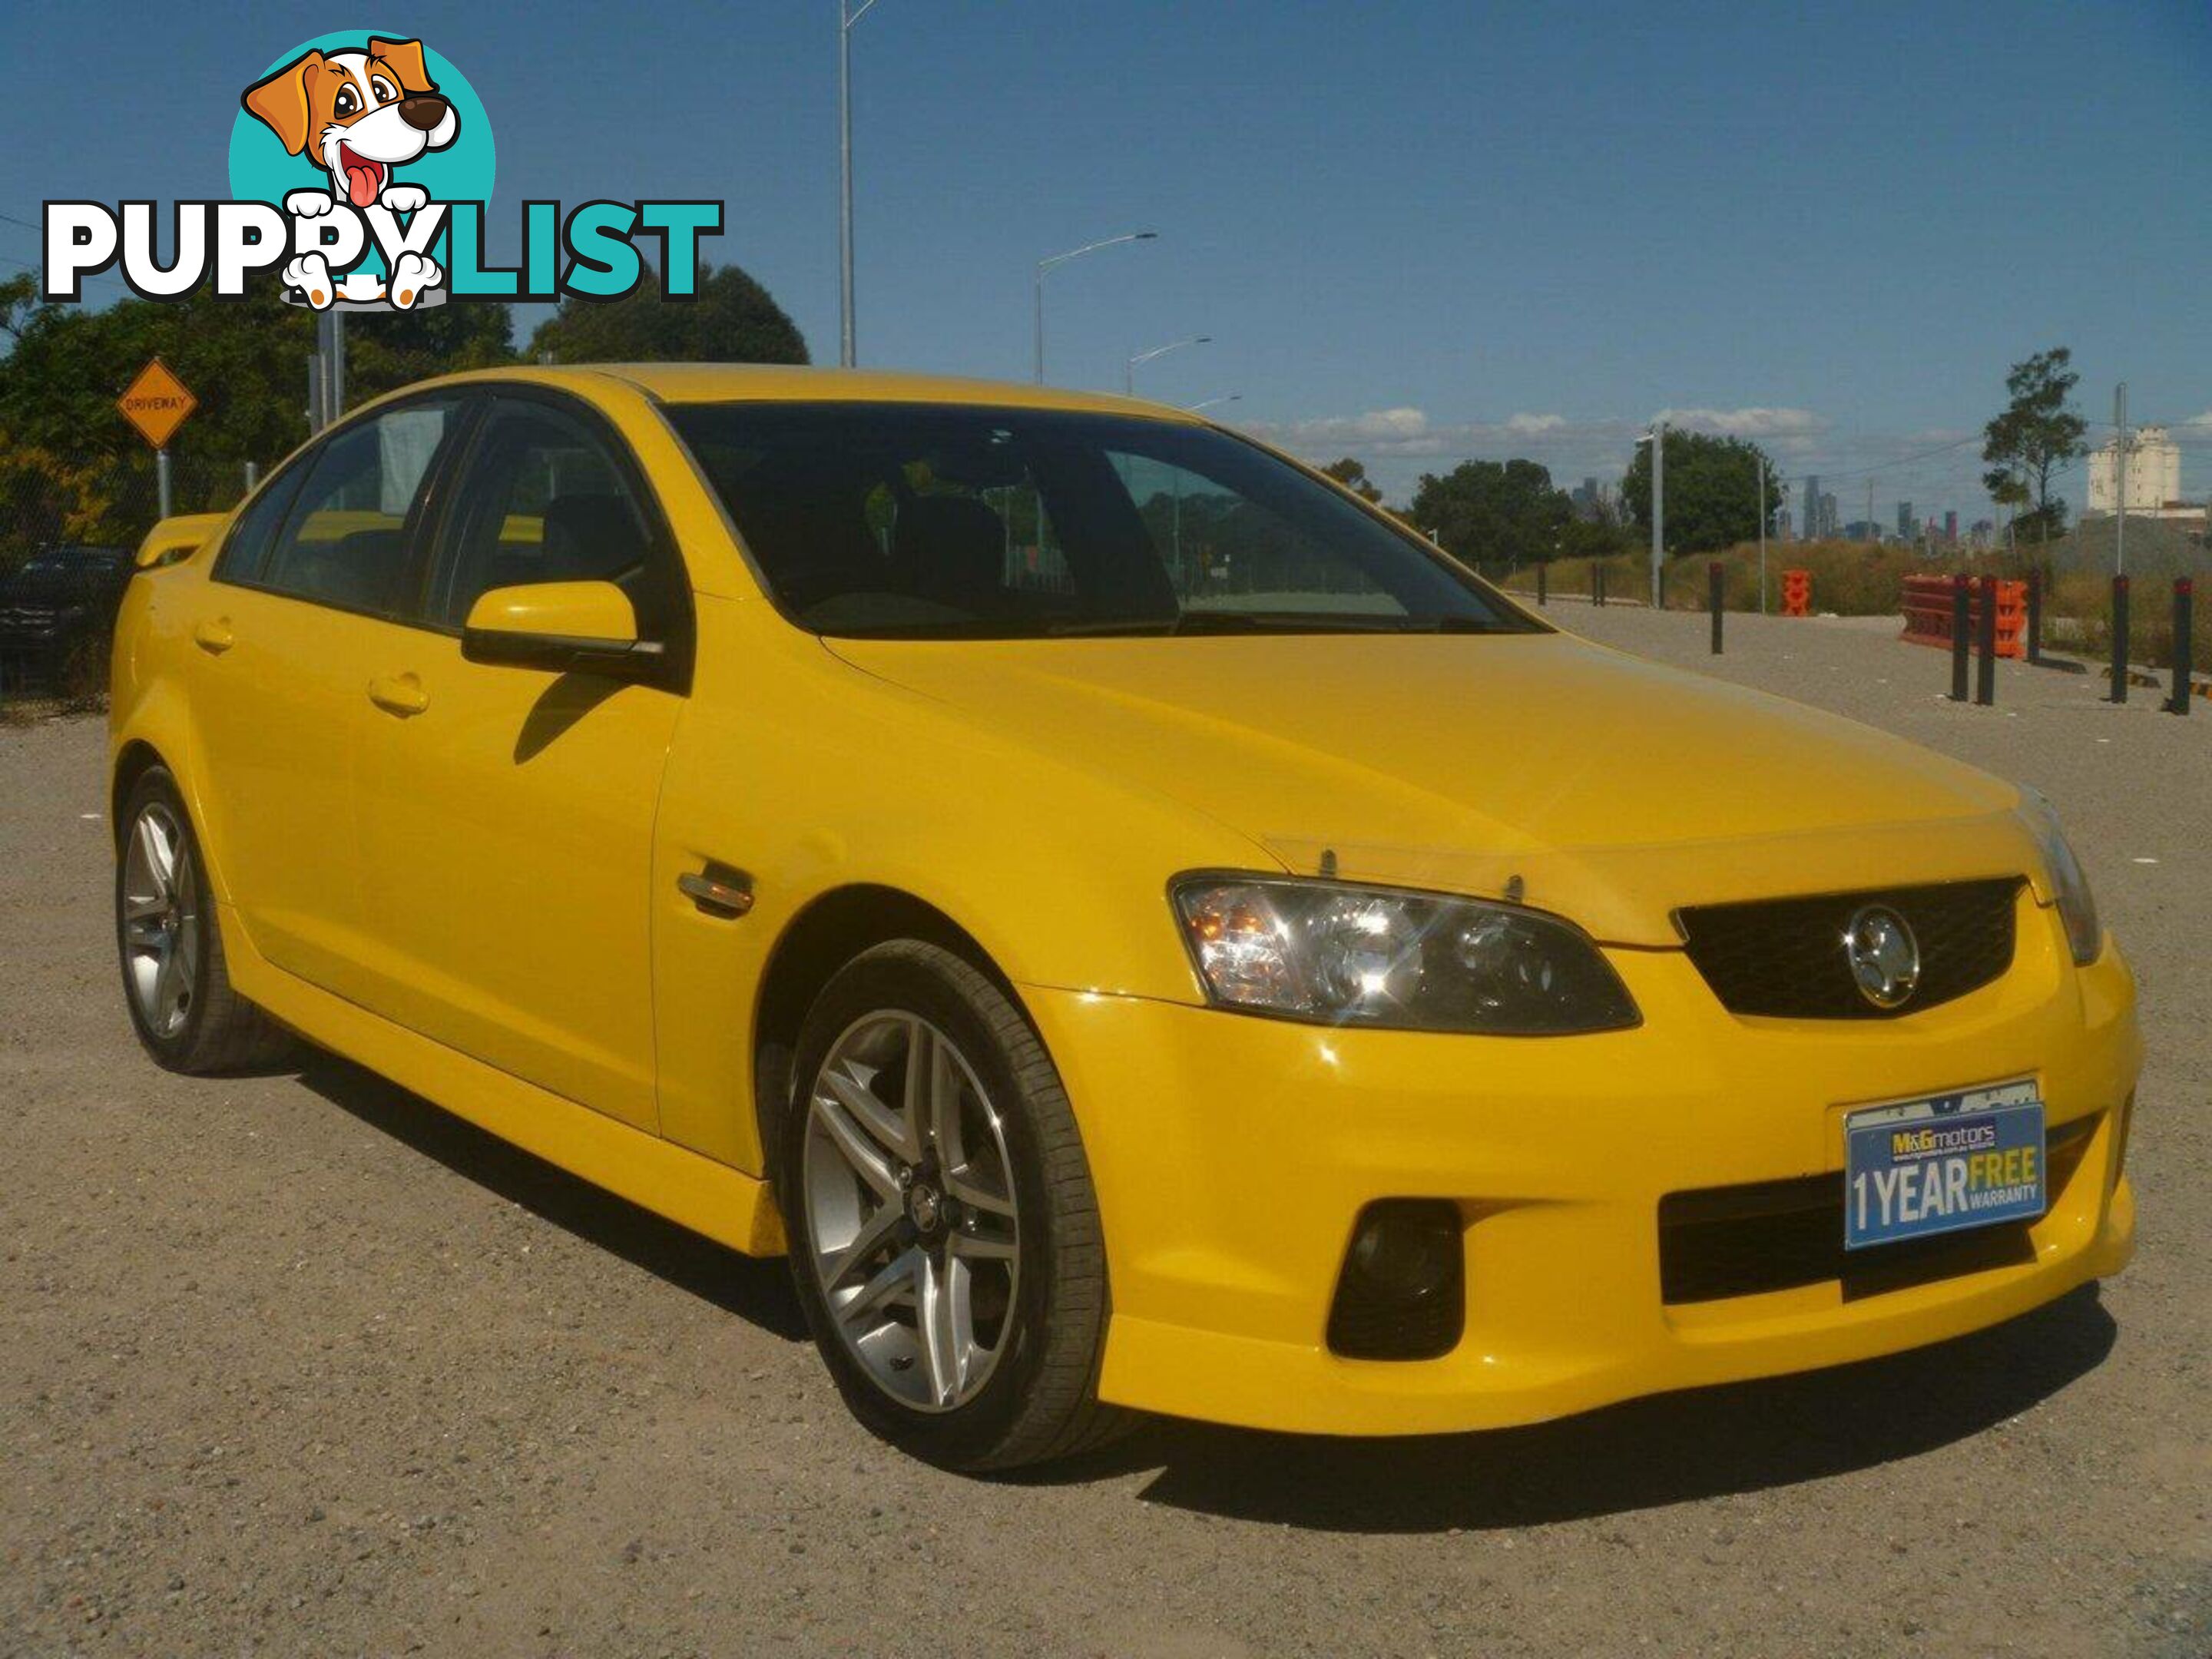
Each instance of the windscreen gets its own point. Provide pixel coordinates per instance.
(928, 521)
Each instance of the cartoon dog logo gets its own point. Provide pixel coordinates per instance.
(361, 114)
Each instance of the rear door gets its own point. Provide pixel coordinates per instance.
(507, 822)
(308, 592)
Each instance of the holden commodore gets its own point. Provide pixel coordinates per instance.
(1140, 928)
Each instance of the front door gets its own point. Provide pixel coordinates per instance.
(506, 822)
(306, 604)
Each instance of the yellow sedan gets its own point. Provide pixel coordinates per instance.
(1138, 926)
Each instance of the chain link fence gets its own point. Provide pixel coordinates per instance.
(69, 528)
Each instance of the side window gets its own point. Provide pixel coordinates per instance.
(541, 499)
(245, 550)
(345, 541)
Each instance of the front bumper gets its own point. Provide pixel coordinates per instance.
(1232, 1155)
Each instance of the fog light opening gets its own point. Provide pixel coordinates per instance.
(1401, 1293)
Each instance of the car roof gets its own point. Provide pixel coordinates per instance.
(714, 383)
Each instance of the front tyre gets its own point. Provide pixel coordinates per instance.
(176, 979)
(944, 1236)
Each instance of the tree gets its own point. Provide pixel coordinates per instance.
(732, 320)
(1485, 512)
(1353, 475)
(384, 353)
(246, 362)
(2038, 433)
(1712, 491)
(1594, 538)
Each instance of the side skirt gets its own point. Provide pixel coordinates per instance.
(724, 1204)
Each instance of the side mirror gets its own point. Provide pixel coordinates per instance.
(177, 539)
(564, 628)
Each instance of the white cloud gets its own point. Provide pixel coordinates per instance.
(1408, 437)
(1747, 422)
(1377, 427)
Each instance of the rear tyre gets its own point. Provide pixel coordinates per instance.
(944, 1236)
(176, 979)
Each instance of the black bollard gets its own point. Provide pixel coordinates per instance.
(1962, 630)
(1713, 576)
(1542, 572)
(2119, 639)
(2185, 592)
(1597, 584)
(1985, 679)
(2034, 616)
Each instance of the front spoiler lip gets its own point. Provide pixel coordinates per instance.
(1219, 1377)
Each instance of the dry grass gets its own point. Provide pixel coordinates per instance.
(1851, 579)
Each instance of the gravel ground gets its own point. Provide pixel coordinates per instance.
(301, 1364)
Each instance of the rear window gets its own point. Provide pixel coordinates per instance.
(924, 521)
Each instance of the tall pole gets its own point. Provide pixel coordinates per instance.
(161, 478)
(844, 185)
(2120, 478)
(846, 18)
(1658, 510)
(1046, 267)
(336, 384)
(1761, 462)
(327, 390)
(1129, 369)
(1038, 354)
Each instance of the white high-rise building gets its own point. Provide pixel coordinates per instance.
(2153, 476)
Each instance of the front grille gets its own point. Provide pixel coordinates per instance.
(1721, 1241)
(1784, 958)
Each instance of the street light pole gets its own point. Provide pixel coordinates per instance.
(1658, 442)
(1208, 403)
(1761, 463)
(2119, 479)
(846, 18)
(1129, 371)
(1046, 266)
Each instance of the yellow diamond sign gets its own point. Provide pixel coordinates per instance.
(156, 404)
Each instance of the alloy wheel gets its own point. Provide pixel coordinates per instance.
(910, 1210)
(161, 921)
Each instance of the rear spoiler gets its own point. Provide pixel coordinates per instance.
(177, 539)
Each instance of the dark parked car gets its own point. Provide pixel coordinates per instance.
(57, 608)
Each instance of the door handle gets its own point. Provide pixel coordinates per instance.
(717, 891)
(398, 693)
(213, 636)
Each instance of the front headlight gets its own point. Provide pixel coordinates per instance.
(2076, 907)
(1338, 954)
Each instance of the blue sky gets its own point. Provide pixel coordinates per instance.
(1416, 233)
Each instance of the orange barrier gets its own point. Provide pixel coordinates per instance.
(1797, 592)
(1927, 609)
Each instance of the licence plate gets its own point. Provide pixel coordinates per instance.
(1942, 1164)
